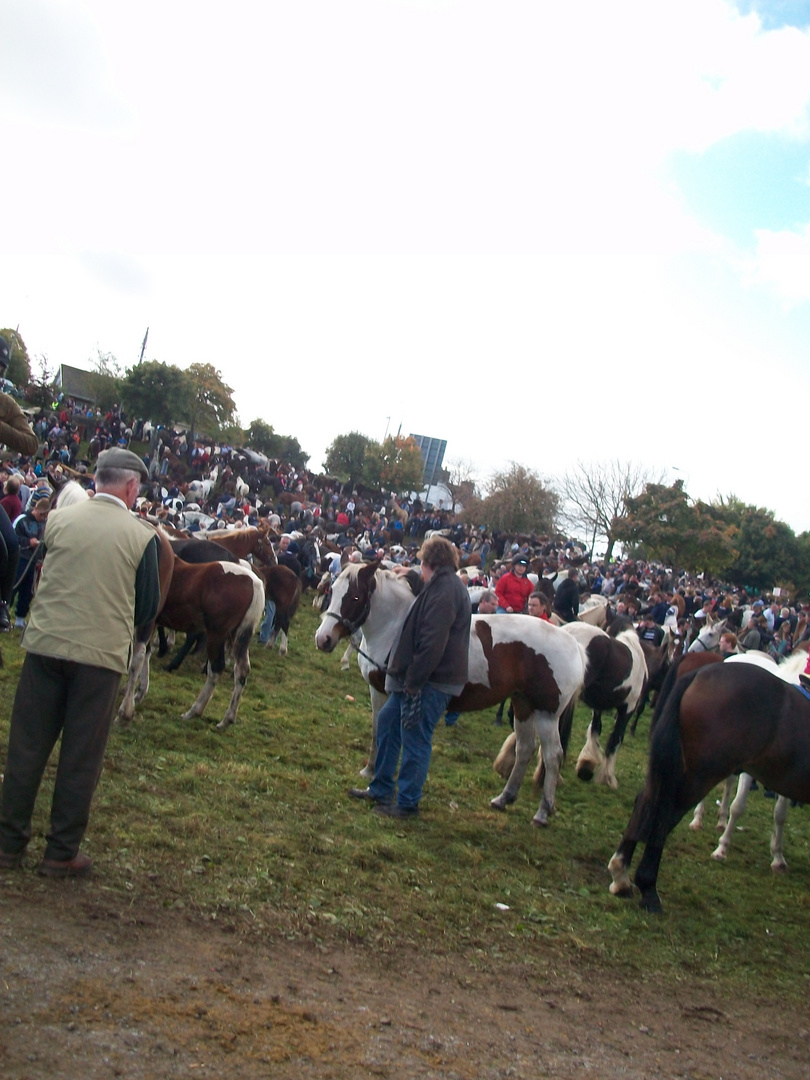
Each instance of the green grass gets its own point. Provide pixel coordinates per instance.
(254, 823)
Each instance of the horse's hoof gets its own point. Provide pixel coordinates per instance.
(540, 821)
(499, 803)
(779, 867)
(719, 854)
(585, 771)
(651, 904)
(624, 892)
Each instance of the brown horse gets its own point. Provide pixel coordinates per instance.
(225, 601)
(725, 718)
(245, 542)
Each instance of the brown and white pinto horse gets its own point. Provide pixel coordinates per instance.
(616, 675)
(516, 656)
(225, 601)
(725, 718)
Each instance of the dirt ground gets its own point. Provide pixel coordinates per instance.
(92, 988)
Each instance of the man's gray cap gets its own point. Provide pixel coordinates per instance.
(117, 458)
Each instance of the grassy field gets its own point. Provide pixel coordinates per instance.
(255, 823)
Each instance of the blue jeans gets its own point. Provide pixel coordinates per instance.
(415, 744)
(266, 629)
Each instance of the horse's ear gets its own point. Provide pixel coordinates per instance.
(368, 570)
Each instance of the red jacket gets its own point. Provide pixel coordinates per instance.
(513, 591)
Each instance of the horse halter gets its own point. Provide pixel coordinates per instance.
(352, 625)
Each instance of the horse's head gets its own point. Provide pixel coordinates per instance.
(350, 604)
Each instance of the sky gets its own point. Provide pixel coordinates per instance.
(551, 234)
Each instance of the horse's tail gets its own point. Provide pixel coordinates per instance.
(665, 767)
(566, 722)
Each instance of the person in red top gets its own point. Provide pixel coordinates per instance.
(538, 606)
(513, 588)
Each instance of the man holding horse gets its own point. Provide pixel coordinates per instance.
(78, 640)
(428, 667)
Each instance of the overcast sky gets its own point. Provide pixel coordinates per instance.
(543, 232)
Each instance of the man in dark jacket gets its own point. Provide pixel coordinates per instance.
(566, 599)
(429, 666)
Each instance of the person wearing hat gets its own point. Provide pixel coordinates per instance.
(16, 433)
(513, 588)
(99, 581)
(29, 527)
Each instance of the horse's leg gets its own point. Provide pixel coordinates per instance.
(345, 663)
(192, 642)
(143, 682)
(606, 773)
(736, 812)
(378, 699)
(505, 761)
(126, 709)
(215, 667)
(525, 742)
(725, 802)
(619, 865)
(778, 863)
(241, 670)
(552, 757)
(591, 757)
(697, 821)
(282, 643)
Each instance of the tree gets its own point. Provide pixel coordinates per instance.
(662, 524)
(261, 436)
(209, 404)
(459, 479)
(595, 494)
(768, 551)
(106, 381)
(394, 465)
(41, 391)
(154, 391)
(19, 365)
(345, 457)
(519, 501)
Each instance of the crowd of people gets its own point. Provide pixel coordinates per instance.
(78, 634)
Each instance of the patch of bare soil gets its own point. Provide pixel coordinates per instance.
(92, 988)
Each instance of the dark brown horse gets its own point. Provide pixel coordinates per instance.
(726, 718)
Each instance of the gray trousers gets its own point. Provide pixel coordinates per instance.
(56, 697)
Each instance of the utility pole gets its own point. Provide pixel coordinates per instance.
(143, 347)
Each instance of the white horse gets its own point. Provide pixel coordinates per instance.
(516, 656)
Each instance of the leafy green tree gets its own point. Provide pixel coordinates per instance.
(345, 457)
(394, 465)
(155, 391)
(290, 450)
(768, 552)
(19, 365)
(519, 500)
(209, 404)
(662, 524)
(106, 381)
(261, 438)
(41, 391)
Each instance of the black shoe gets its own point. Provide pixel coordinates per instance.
(366, 795)
(5, 621)
(394, 810)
